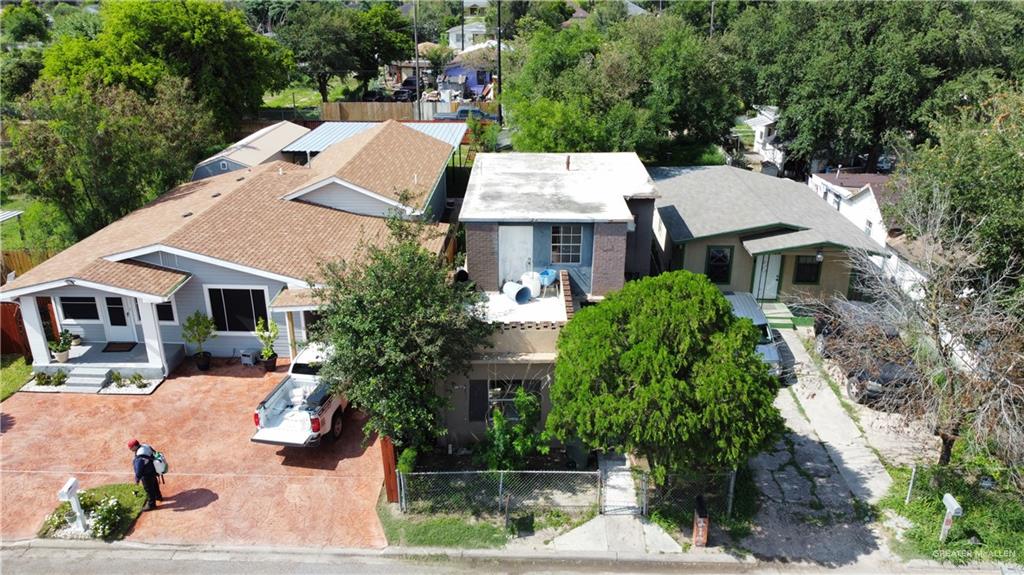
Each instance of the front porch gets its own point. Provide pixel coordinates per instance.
(136, 360)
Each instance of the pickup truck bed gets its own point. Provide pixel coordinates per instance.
(285, 415)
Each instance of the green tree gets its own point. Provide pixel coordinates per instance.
(606, 14)
(511, 12)
(76, 22)
(321, 36)
(508, 442)
(396, 327)
(976, 161)
(264, 16)
(439, 57)
(96, 153)
(229, 66)
(435, 17)
(383, 36)
(18, 70)
(23, 23)
(699, 13)
(845, 74)
(662, 368)
(552, 14)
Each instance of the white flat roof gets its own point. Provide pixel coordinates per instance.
(539, 188)
(501, 308)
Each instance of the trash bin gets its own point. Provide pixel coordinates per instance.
(700, 523)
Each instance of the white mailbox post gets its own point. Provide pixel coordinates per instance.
(953, 509)
(70, 493)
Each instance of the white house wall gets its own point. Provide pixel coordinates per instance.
(191, 297)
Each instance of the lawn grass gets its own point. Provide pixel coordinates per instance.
(306, 96)
(14, 373)
(130, 496)
(10, 236)
(693, 155)
(990, 529)
(463, 532)
(746, 134)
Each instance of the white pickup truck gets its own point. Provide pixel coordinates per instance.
(301, 410)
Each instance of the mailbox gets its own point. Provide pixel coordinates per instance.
(68, 492)
(952, 507)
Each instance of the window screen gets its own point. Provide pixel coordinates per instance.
(237, 309)
(165, 312)
(79, 308)
(719, 264)
(807, 270)
(566, 242)
(477, 400)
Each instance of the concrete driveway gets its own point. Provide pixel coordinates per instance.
(221, 489)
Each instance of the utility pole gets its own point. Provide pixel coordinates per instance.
(497, 96)
(416, 63)
(711, 29)
(463, 25)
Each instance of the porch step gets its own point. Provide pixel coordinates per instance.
(87, 379)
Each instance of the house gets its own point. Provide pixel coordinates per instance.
(858, 197)
(462, 36)
(752, 232)
(257, 148)
(477, 63)
(237, 247)
(578, 15)
(586, 218)
(766, 143)
(329, 133)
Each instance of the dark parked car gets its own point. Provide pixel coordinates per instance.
(884, 379)
(403, 95)
(377, 96)
(464, 112)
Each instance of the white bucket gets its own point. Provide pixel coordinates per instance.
(532, 281)
(516, 292)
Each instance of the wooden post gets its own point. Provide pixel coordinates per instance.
(387, 455)
(289, 321)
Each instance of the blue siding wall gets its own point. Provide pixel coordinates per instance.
(213, 169)
(191, 297)
(435, 203)
(580, 272)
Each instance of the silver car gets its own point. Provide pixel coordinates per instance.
(744, 305)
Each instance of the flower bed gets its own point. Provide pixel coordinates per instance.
(111, 511)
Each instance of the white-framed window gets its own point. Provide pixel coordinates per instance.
(236, 308)
(487, 395)
(166, 313)
(223, 166)
(566, 243)
(79, 309)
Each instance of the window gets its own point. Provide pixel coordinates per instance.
(477, 400)
(237, 309)
(165, 313)
(481, 77)
(718, 265)
(79, 308)
(223, 166)
(807, 270)
(566, 243)
(485, 396)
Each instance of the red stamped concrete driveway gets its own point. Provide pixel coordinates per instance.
(221, 488)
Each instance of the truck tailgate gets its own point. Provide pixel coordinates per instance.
(290, 428)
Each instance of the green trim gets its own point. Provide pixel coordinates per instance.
(744, 231)
(707, 261)
(817, 276)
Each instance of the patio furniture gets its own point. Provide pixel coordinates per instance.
(548, 277)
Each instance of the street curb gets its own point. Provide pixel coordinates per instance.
(180, 552)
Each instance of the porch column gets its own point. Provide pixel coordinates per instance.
(34, 330)
(151, 333)
(289, 321)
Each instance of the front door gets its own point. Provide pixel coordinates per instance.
(767, 269)
(120, 326)
(515, 252)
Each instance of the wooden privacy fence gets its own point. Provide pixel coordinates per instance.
(12, 331)
(380, 111)
(20, 261)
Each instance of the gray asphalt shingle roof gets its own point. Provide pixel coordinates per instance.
(705, 201)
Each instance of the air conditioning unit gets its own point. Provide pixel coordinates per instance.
(247, 356)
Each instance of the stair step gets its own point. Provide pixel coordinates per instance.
(91, 371)
(87, 381)
(67, 388)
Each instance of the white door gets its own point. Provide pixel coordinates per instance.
(766, 276)
(120, 323)
(515, 252)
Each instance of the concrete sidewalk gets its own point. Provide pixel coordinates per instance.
(846, 445)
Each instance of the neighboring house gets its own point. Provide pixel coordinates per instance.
(633, 9)
(462, 37)
(577, 17)
(858, 197)
(586, 217)
(476, 63)
(257, 148)
(237, 247)
(752, 232)
(766, 144)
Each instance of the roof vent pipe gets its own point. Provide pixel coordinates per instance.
(567, 163)
(839, 171)
(280, 171)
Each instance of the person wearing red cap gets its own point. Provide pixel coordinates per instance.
(145, 472)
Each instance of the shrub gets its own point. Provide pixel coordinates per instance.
(42, 378)
(507, 445)
(59, 378)
(117, 379)
(107, 517)
(137, 380)
(407, 460)
(267, 333)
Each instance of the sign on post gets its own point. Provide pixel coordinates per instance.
(953, 509)
(70, 493)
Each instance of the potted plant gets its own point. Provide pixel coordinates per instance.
(76, 339)
(267, 333)
(196, 330)
(62, 347)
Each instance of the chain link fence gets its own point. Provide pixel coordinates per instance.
(930, 480)
(678, 498)
(499, 492)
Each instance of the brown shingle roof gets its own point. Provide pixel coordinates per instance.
(387, 159)
(294, 297)
(240, 217)
(855, 181)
